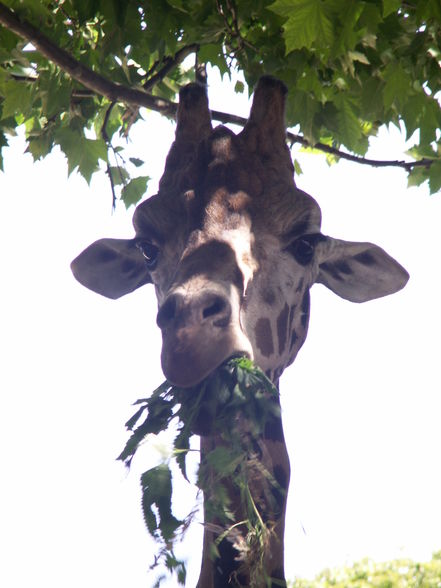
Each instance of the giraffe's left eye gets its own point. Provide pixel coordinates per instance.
(150, 253)
(303, 250)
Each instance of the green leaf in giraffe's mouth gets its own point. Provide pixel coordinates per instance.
(233, 403)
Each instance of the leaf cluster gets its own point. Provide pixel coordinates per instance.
(236, 393)
(368, 574)
(55, 108)
(349, 65)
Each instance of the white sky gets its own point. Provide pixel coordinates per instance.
(361, 403)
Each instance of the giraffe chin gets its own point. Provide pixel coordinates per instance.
(187, 361)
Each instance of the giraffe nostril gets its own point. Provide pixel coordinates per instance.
(167, 312)
(217, 307)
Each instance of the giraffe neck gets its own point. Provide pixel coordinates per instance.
(269, 455)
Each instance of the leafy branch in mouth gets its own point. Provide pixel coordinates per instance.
(232, 405)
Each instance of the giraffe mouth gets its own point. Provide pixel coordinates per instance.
(239, 355)
(189, 355)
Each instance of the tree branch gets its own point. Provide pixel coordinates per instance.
(225, 117)
(153, 78)
(79, 72)
(98, 84)
(169, 64)
(407, 165)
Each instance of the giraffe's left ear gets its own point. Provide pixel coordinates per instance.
(359, 271)
(111, 267)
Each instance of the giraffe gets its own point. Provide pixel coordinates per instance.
(232, 247)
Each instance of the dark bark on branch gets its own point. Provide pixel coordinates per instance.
(169, 64)
(407, 165)
(293, 138)
(90, 79)
(200, 71)
(98, 84)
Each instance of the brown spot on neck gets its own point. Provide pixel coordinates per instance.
(268, 296)
(291, 317)
(282, 328)
(264, 337)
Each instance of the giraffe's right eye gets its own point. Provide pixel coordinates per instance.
(150, 253)
(303, 250)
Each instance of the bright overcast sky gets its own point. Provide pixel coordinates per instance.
(361, 404)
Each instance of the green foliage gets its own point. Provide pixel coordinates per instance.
(236, 391)
(307, 23)
(156, 486)
(400, 573)
(350, 66)
(134, 190)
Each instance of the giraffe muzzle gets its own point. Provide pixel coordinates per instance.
(200, 330)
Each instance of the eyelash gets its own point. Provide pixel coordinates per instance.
(150, 252)
(303, 248)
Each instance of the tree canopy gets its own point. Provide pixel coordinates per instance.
(404, 573)
(77, 73)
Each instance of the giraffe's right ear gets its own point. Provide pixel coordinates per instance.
(111, 267)
(358, 271)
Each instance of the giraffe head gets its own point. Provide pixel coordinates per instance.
(232, 246)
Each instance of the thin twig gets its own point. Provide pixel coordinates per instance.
(152, 79)
(106, 139)
(112, 185)
(407, 165)
(169, 64)
(236, 29)
(104, 134)
(200, 71)
(232, 29)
